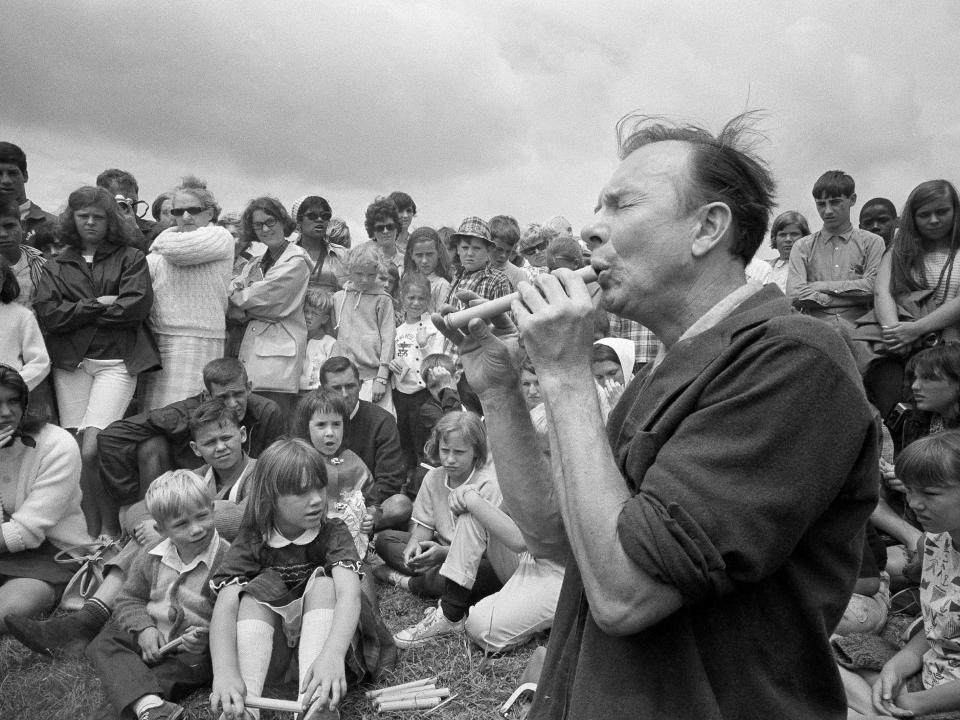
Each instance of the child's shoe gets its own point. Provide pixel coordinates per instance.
(433, 625)
(167, 711)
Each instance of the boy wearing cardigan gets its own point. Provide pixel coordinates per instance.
(165, 597)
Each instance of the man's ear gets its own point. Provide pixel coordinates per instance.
(243, 434)
(713, 222)
(853, 199)
(249, 386)
(196, 450)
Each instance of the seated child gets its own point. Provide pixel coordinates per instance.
(218, 439)
(445, 553)
(365, 325)
(320, 419)
(417, 338)
(295, 570)
(318, 309)
(924, 676)
(165, 597)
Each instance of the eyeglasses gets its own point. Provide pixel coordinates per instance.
(388, 227)
(317, 216)
(179, 212)
(267, 224)
(534, 250)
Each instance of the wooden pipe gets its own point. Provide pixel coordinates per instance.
(500, 305)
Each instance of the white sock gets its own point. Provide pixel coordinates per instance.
(254, 648)
(145, 703)
(314, 631)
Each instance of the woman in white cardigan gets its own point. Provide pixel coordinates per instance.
(270, 291)
(39, 504)
(191, 266)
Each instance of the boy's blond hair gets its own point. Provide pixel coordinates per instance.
(174, 491)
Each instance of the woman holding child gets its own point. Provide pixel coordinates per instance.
(39, 504)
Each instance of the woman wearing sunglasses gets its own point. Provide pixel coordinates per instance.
(312, 215)
(270, 291)
(191, 265)
(382, 222)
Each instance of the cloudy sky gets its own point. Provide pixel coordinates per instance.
(474, 108)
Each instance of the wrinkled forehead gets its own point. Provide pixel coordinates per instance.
(655, 170)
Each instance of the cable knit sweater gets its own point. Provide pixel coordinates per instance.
(40, 492)
(21, 344)
(191, 274)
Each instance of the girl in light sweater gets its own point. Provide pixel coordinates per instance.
(21, 344)
(365, 325)
(191, 266)
(40, 509)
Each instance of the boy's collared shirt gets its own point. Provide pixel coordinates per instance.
(486, 282)
(234, 492)
(170, 556)
(834, 269)
(175, 576)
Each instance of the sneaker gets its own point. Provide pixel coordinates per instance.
(433, 625)
(167, 711)
(45, 636)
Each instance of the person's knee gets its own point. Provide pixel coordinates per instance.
(395, 512)
(88, 446)
(322, 594)
(26, 597)
(153, 458)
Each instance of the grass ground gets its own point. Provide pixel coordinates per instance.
(33, 687)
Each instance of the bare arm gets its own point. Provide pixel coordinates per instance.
(467, 499)
(885, 307)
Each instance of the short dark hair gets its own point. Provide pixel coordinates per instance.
(9, 287)
(13, 380)
(402, 201)
(337, 364)
(272, 207)
(380, 209)
(882, 202)
(157, 205)
(931, 461)
(9, 207)
(723, 168)
(211, 411)
(222, 371)
(313, 201)
(565, 246)
(833, 183)
(319, 400)
(10, 153)
(506, 227)
(124, 180)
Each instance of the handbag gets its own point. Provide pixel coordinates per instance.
(87, 579)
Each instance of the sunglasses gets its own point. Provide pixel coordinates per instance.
(389, 227)
(179, 212)
(534, 250)
(317, 217)
(267, 224)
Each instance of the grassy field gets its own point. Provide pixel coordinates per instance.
(33, 687)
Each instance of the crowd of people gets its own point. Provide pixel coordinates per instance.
(256, 414)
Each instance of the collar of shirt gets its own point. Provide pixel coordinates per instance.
(446, 480)
(210, 478)
(170, 556)
(714, 315)
(279, 540)
(25, 208)
(844, 236)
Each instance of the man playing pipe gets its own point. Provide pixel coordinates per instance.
(715, 525)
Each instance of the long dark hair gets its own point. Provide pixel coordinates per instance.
(909, 247)
(29, 424)
(941, 362)
(117, 233)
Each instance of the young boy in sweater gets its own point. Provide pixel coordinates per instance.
(166, 597)
(366, 326)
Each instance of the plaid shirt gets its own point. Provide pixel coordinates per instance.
(646, 343)
(487, 282)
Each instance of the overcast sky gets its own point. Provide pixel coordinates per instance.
(473, 108)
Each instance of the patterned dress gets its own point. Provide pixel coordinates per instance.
(940, 601)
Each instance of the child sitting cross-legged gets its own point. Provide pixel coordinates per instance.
(294, 571)
(924, 676)
(444, 554)
(166, 597)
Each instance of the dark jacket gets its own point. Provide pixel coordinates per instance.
(751, 453)
(119, 441)
(72, 319)
(373, 435)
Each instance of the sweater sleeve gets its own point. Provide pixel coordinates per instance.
(50, 495)
(130, 607)
(33, 351)
(206, 245)
(388, 334)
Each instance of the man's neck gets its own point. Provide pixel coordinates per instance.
(837, 230)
